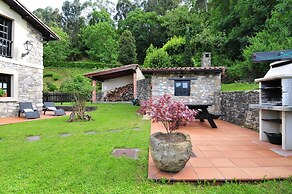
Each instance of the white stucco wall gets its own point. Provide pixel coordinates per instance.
(139, 73)
(19, 31)
(111, 84)
(26, 72)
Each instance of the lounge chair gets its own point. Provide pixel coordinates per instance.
(51, 107)
(28, 111)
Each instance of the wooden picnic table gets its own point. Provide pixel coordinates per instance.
(203, 113)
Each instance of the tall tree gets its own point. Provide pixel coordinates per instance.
(50, 16)
(146, 28)
(161, 6)
(123, 7)
(100, 16)
(127, 48)
(239, 20)
(57, 50)
(101, 42)
(73, 22)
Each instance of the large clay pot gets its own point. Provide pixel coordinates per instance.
(168, 154)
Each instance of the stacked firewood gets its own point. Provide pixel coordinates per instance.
(124, 93)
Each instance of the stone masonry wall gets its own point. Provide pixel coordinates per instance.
(144, 89)
(205, 89)
(30, 88)
(30, 77)
(235, 107)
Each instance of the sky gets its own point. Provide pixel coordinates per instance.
(34, 4)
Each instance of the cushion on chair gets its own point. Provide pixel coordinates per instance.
(27, 110)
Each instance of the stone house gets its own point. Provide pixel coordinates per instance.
(197, 85)
(21, 56)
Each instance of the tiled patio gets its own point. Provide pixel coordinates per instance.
(228, 152)
(11, 120)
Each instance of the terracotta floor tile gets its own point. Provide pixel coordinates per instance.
(283, 161)
(223, 148)
(212, 154)
(232, 154)
(200, 162)
(187, 174)
(257, 173)
(221, 162)
(279, 172)
(199, 154)
(264, 162)
(268, 154)
(227, 152)
(243, 162)
(249, 154)
(206, 147)
(233, 174)
(208, 174)
(155, 173)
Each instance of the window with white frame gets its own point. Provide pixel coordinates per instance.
(5, 37)
(5, 84)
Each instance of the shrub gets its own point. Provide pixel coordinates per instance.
(156, 58)
(172, 114)
(51, 87)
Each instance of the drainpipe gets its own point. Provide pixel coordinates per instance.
(94, 91)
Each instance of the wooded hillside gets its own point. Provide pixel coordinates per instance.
(165, 33)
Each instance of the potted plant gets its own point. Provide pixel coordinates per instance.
(170, 151)
(2, 92)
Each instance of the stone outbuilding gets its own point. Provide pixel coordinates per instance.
(197, 85)
(116, 78)
(21, 57)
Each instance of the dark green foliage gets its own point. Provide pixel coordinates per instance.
(80, 87)
(157, 58)
(175, 48)
(55, 76)
(51, 87)
(80, 64)
(146, 29)
(161, 6)
(50, 16)
(100, 16)
(57, 50)
(72, 24)
(123, 7)
(276, 36)
(101, 42)
(127, 48)
(188, 50)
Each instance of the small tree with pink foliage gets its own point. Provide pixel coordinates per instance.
(172, 114)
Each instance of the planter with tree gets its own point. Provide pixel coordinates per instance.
(170, 151)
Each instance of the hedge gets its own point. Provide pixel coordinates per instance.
(79, 64)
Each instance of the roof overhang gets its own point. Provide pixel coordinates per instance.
(47, 33)
(112, 73)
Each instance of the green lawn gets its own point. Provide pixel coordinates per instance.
(82, 163)
(239, 87)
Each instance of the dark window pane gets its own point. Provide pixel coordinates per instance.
(182, 88)
(5, 37)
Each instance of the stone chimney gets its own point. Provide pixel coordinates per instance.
(206, 59)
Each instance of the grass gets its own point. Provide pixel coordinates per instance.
(239, 87)
(83, 163)
(63, 73)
